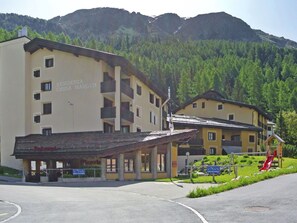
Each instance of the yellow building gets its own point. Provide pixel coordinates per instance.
(50, 89)
(224, 125)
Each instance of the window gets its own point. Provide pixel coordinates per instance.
(231, 117)
(37, 96)
(220, 106)
(129, 165)
(194, 105)
(235, 138)
(46, 86)
(157, 102)
(49, 62)
(138, 112)
(155, 120)
(107, 128)
(36, 73)
(152, 98)
(145, 162)
(37, 118)
(138, 129)
(203, 105)
(138, 90)
(161, 162)
(111, 165)
(211, 136)
(151, 117)
(47, 108)
(46, 131)
(125, 129)
(269, 128)
(251, 138)
(212, 151)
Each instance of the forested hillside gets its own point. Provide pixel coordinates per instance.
(256, 73)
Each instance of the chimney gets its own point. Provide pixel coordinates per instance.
(23, 32)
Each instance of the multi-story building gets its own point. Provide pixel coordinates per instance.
(49, 88)
(224, 125)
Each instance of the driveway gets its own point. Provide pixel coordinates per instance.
(97, 202)
(273, 200)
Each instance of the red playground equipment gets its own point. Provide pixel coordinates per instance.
(273, 143)
(269, 160)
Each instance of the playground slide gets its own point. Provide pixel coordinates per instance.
(268, 162)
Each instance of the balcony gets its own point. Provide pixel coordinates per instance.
(108, 112)
(231, 143)
(127, 115)
(108, 86)
(127, 90)
(196, 141)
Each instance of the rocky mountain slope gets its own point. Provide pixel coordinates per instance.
(103, 23)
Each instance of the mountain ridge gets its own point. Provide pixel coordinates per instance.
(104, 23)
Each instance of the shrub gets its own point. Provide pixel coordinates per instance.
(290, 151)
(246, 156)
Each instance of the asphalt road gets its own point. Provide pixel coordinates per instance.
(97, 202)
(273, 200)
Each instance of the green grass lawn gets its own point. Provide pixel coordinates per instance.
(248, 172)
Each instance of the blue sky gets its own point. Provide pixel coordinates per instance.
(277, 17)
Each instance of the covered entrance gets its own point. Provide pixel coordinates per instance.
(100, 156)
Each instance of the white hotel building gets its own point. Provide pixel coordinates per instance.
(65, 103)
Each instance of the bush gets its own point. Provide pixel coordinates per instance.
(290, 151)
(246, 156)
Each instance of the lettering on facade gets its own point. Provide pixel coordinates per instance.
(74, 85)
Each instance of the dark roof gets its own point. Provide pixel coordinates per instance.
(86, 144)
(195, 122)
(216, 96)
(20, 37)
(111, 59)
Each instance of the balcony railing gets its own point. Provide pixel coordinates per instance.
(108, 112)
(108, 86)
(127, 115)
(231, 143)
(127, 90)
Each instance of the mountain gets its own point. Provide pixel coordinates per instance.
(105, 23)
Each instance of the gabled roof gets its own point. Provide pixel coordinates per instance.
(274, 136)
(216, 96)
(197, 122)
(109, 58)
(86, 144)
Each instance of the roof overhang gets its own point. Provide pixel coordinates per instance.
(90, 144)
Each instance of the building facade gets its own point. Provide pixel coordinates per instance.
(49, 88)
(224, 125)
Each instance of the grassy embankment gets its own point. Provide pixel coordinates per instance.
(248, 173)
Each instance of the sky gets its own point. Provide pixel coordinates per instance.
(276, 17)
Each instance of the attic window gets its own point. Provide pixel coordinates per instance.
(49, 62)
(194, 105)
(220, 106)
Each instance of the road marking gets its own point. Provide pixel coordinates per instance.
(16, 214)
(191, 209)
(2, 214)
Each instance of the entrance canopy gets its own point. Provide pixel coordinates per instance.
(85, 144)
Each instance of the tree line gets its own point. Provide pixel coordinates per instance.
(255, 73)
